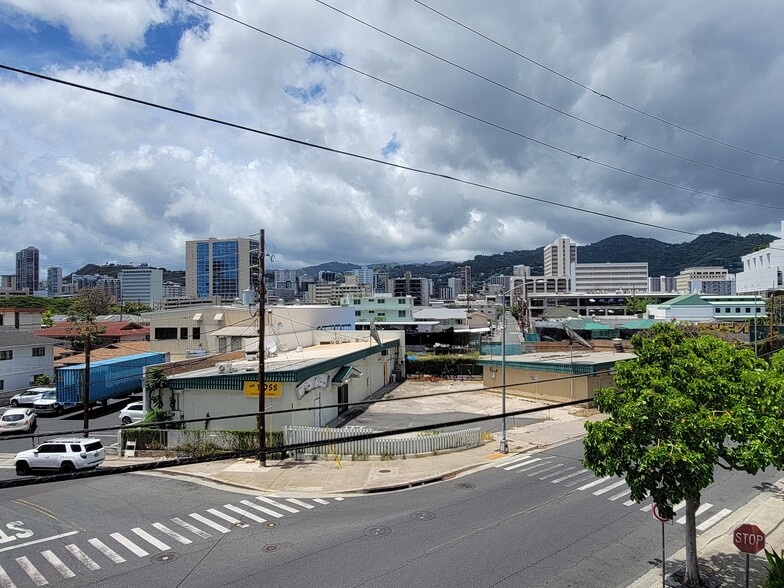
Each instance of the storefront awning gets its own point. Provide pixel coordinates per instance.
(346, 372)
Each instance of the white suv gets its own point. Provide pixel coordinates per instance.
(63, 455)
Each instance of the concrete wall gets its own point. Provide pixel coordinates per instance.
(549, 386)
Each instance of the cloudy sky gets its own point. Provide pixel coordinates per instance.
(480, 127)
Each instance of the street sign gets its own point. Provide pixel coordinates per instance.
(748, 538)
(658, 517)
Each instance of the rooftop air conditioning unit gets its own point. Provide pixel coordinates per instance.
(225, 367)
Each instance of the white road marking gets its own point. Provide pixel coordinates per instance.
(57, 564)
(594, 483)
(620, 494)
(561, 479)
(129, 545)
(700, 510)
(535, 466)
(320, 501)
(610, 487)
(300, 503)
(338, 498)
(32, 571)
(150, 539)
(227, 518)
(244, 513)
(209, 523)
(26, 543)
(106, 550)
(630, 503)
(713, 520)
(191, 528)
(507, 462)
(276, 504)
(5, 580)
(675, 508)
(552, 467)
(271, 513)
(83, 557)
(521, 463)
(555, 473)
(173, 534)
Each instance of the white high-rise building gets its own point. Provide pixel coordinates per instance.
(142, 284)
(364, 275)
(560, 257)
(54, 281)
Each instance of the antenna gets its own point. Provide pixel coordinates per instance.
(575, 338)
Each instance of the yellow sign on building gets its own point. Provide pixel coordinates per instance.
(271, 389)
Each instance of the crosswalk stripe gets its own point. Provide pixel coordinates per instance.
(276, 504)
(675, 508)
(553, 467)
(83, 558)
(700, 510)
(620, 494)
(579, 479)
(57, 564)
(227, 518)
(271, 513)
(523, 462)
(106, 550)
(32, 571)
(610, 487)
(535, 466)
(630, 502)
(320, 501)
(338, 498)
(300, 503)
(572, 475)
(507, 462)
(713, 520)
(209, 523)
(555, 473)
(128, 544)
(173, 534)
(5, 579)
(594, 483)
(195, 530)
(244, 513)
(150, 539)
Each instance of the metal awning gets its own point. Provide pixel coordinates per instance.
(346, 372)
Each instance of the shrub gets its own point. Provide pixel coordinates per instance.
(775, 569)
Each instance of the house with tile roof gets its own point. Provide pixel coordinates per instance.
(110, 332)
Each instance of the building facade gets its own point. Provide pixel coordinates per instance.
(54, 281)
(699, 273)
(380, 307)
(27, 269)
(418, 288)
(221, 267)
(143, 284)
(22, 357)
(763, 270)
(559, 257)
(611, 277)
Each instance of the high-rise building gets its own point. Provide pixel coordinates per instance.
(54, 281)
(142, 284)
(221, 267)
(418, 288)
(560, 257)
(381, 282)
(464, 273)
(364, 275)
(285, 278)
(27, 275)
(112, 286)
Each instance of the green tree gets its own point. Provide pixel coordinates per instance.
(46, 319)
(156, 381)
(635, 305)
(42, 380)
(684, 406)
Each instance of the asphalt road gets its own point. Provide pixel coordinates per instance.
(495, 527)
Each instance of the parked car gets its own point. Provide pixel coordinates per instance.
(63, 455)
(18, 420)
(29, 396)
(132, 413)
(48, 404)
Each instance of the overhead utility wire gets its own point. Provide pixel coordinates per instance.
(479, 119)
(342, 152)
(616, 134)
(600, 94)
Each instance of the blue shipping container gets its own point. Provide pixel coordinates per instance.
(108, 377)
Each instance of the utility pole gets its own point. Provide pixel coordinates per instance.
(262, 419)
(86, 389)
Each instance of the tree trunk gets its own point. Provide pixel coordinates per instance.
(692, 577)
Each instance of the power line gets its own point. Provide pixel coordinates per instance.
(597, 92)
(619, 135)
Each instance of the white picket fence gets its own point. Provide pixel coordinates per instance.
(331, 444)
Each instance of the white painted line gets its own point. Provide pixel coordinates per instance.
(713, 520)
(300, 503)
(320, 501)
(630, 502)
(106, 550)
(173, 534)
(25, 544)
(679, 506)
(244, 513)
(209, 523)
(594, 483)
(57, 564)
(580, 479)
(271, 513)
(535, 466)
(5, 580)
(620, 494)
(525, 461)
(553, 467)
(195, 530)
(129, 545)
(338, 498)
(561, 479)
(32, 571)
(647, 507)
(83, 557)
(227, 518)
(610, 487)
(150, 539)
(276, 504)
(507, 462)
(557, 472)
(700, 510)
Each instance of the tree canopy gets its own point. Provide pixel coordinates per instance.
(684, 406)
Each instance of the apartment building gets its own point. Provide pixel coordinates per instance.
(221, 267)
(142, 284)
(611, 277)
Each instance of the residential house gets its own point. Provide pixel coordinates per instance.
(22, 357)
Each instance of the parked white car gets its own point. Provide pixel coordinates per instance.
(63, 455)
(29, 396)
(18, 420)
(132, 413)
(48, 403)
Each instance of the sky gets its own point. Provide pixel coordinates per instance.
(389, 131)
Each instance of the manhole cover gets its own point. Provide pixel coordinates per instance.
(270, 548)
(165, 557)
(378, 531)
(465, 485)
(423, 516)
(272, 524)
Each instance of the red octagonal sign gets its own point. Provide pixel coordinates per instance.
(748, 537)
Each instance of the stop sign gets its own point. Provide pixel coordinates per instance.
(748, 538)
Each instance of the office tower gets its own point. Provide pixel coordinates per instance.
(221, 267)
(142, 284)
(54, 280)
(27, 269)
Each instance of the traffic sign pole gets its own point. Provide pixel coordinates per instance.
(749, 539)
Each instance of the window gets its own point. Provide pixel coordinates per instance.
(52, 448)
(39, 351)
(401, 313)
(357, 313)
(357, 301)
(728, 310)
(401, 301)
(164, 333)
(183, 332)
(2, 384)
(718, 310)
(748, 310)
(737, 309)
(76, 448)
(196, 333)
(6, 355)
